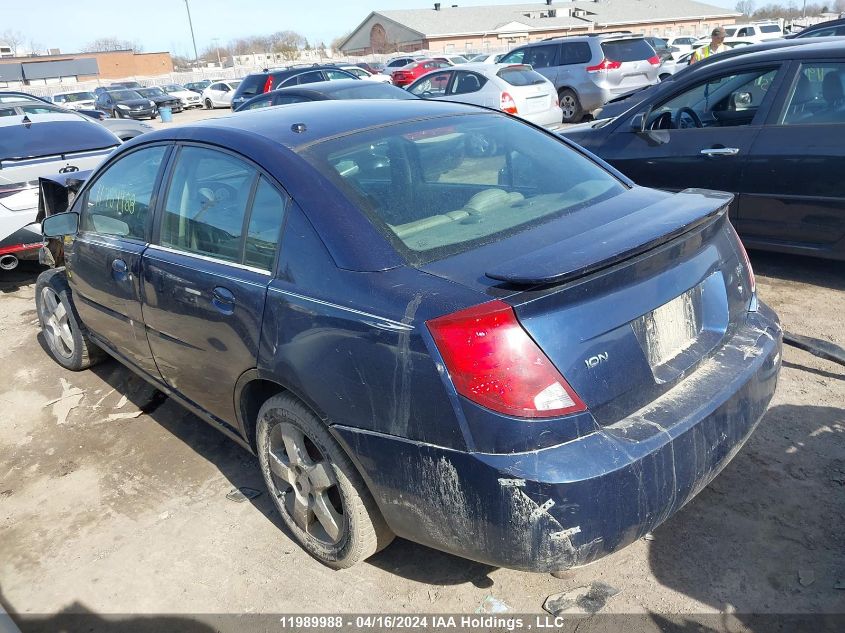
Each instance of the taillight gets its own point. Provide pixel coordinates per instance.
(268, 85)
(752, 281)
(654, 60)
(493, 362)
(605, 64)
(507, 104)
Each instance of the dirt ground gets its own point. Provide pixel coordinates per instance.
(113, 500)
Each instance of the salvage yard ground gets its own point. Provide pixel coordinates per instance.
(113, 499)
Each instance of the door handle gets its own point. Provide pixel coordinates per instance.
(720, 151)
(119, 270)
(223, 300)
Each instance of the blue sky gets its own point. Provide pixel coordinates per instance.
(163, 24)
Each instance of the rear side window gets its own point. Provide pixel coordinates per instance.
(632, 50)
(521, 76)
(265, 224)
(119, 201)
(207, 203)
(466, 83)
(770, 28)
(575, 53)
(253, 85)
(818, 95)
(475, 180)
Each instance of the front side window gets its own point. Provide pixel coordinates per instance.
(726, 100)
(337, 74)
(514, 57)
(441, 186)
(305, 78)
(541, 56)
(432, 85)
(818, 95)
(206, 204)
(118, 202)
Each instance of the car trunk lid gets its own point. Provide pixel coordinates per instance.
(626, 309)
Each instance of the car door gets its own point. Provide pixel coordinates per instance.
(574, 57)
(206, 273)
(104, 259)
(793, 186)
(544, 59)
(699, 135)
(216, 92)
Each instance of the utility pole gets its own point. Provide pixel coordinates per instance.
(193, 39)
(217, 46)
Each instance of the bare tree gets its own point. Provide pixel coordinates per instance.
(287, 43)
(13, 38)
(745, 7)
(336, 42)
(105, 44)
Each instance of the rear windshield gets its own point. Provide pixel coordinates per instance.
(50, 138)
(627, 50)
(253, 85)
(442, 186)
(521, 76)
(770, 28)
(371, 90)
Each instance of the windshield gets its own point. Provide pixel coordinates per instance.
(151, 92)
(124, 95)
(174, 88)
(73, 97)
(50, 138)
(441, 186)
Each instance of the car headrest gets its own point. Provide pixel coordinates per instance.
(833, 89)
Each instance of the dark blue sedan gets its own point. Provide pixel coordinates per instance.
(427, 320)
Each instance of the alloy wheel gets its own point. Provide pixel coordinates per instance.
(56, 323)
(305, 484)
(567, 104)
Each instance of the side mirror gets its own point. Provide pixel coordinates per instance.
(60, 224)
(639, 121)
(742, 100)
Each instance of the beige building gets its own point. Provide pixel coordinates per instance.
(479, 29)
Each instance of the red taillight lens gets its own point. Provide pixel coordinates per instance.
(654, 60)
(507, 104)
(493, 362)
(605, 64)
(268, 85)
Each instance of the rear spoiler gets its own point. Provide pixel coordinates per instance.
(57, 192)
(609, 244)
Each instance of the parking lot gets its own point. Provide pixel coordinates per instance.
(113, 501)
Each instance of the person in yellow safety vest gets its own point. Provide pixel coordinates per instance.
(716, 45)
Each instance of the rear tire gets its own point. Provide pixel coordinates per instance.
(310, 477)
(68, 344)
(570, 105)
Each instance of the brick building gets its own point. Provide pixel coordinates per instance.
(16, 72)
(493, 28)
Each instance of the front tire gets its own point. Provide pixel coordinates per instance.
(321, 496)
(570, 105)
(60, 324)
(116, 114)
(209, 105)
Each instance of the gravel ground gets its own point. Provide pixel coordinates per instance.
(113, 501)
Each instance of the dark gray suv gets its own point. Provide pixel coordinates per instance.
(590, 70)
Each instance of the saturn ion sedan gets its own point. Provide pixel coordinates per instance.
(427, 319)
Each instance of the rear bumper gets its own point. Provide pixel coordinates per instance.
(571, 504)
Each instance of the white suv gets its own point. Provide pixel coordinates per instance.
(759, 32)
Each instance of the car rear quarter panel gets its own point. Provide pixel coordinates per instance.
(354, 346)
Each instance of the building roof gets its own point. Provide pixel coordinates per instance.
(466, 20)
